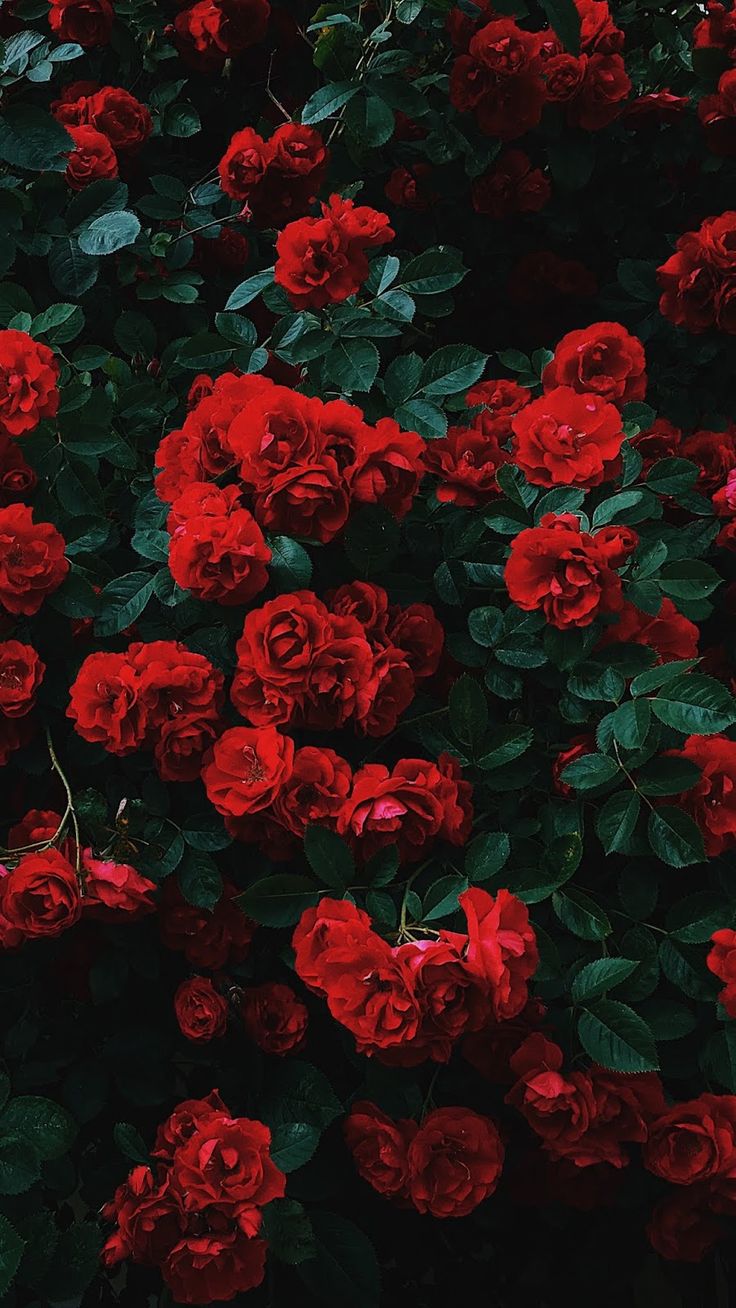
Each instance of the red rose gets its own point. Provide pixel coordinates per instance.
(605, 87)
(93, 158)
(417, 632)
(689, 286)
(511, 186)
(721, 961)
(559, 568)
(388, 467)
(21, 674)
(617, 544)
(669, 633)
(490, 1048)
(409, 188)
(226, 1162)
(274, 1018)
(211, 31)
(40, 897)
(14, 734)
(182, 743)
(694, 1141)
(206, 939)
(568, 439)
(28, 376)
(200, 450)
(246, 769)
(17, 479)
(682, 1229)
(276, 653)
(558, 1107)
(184, 1122)
(455, 1162)
(712, 800)
(322, 260)
(38, 826)
(597, 28)
(401, 807)
(217, 550)
(32, 562)
(148, 1217)
(448, 995)
(244, 164)
(603, 358)
(717, 113)
(715, 454)
(123, 119)
(379, 1147)
(214, 1266)
(277, 429)
(500, 399)
(115, 890)
(371, 993)
(316, 790)
(660, 441)
(502, 948)
(466, 461)
(87, 22)
(105, 703)
(564, 75)
(174, 680)
(310, 500)
(200, 1011)
(334, 926)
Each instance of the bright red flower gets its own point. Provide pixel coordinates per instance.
(566, 438)
(455, 1162)
(87, 22)
(559, 568)
(246, 769)
(200, 1011)
(379, 1147)
(721, 961)
(603, 358)
(40, 896)
(712, 800)
(93, 157)
(21, 674)
(32, 561)
(28, 377)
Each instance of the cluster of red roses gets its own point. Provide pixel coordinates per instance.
(44, 892)
(571, 436)
(86, 22)
(196, 1214)
(106, 123)
(446, 1165)
(508, 75)
(277, 179)
(413, 1001)
(268, 791)
(157, 695)
(28, 393)
(698, 281)
(273, 1017)
(302, 463)
(354, 659)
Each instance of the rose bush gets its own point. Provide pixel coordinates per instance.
(367, 594)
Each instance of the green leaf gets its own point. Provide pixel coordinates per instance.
(11, 1252)
(19, 1165)
(32, 139)
(441, 898)
(76, 1261)
(631, 722)
(200, 881)
(131, 1143)
(42, 1123)
(329, 857)
(674, 837)
(506, 745)
(181, 121)
(689, 579)
(693, 920)
(293, 1144)
(600, 976)
(452, 369)
(369, 120)
(422, 417)
(401, 378)
(486, 856)
(617, 819)
(433, 272)
(71, 271)
(590, 771)
(206, 832)
(352, 365)
(695, 705)
(203, 352)
(122, 601)
(278, 900)
(468, 711)
(638, 277)
(110, 232)
(249, 289)
(614, 1036)
(672, 476)
(288, 1230)
(345, 1268)
(328, 100)
(667, 776)
(653, 678)
(581, 915)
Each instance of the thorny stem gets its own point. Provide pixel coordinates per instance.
(216, 222)
(270, 93)
(69, 811)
